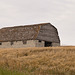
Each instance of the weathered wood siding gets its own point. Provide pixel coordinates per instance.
(48, 33)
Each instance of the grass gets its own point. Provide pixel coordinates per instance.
(9, 72)
(38, 61)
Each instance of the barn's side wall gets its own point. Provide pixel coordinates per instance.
(19, 44)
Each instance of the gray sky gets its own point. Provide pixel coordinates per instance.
(60, 13)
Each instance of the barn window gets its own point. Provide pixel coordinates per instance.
(39, 40)
(0, 43)
(11, 43)
(24, 42)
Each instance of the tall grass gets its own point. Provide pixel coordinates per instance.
(40, 61)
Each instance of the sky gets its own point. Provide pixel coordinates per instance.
(60, 13)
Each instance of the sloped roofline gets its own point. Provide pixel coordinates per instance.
(40, 24)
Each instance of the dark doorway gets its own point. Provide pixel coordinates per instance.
(48, 44)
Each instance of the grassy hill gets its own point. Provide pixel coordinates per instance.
(39, 61)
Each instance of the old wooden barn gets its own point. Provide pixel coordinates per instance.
(37, 35)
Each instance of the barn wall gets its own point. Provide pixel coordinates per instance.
(55, 44)
(19, 44)
(39, 44)
(48, 33)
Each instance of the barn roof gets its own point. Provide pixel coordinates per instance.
(18, 33)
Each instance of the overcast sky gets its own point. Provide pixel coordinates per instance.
(60, 13)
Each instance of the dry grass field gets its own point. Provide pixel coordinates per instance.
(40, 61)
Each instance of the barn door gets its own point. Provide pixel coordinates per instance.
(48, 44)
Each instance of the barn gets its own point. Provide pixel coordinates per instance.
(37, 35)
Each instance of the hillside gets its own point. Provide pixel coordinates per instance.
(40, 61)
